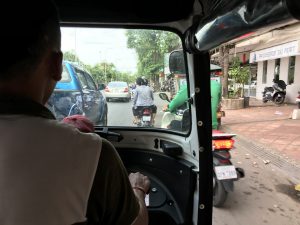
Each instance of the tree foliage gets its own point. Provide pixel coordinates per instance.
(71, 56)
(102, 72)
(150, 46)
(240, 75)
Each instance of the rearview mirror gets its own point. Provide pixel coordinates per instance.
(176, 62)
(164, 96)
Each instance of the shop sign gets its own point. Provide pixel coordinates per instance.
(279, 51)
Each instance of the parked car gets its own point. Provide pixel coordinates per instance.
(117, 90)
(76, 93)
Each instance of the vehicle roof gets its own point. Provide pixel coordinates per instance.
(214, 21)
(124, 12)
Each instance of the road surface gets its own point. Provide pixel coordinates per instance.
(120, 113)
(265, 196)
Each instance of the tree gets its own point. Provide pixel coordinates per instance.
(103, 72)
(240, 75)
(71, 56)
(150, 46)
(224, 62)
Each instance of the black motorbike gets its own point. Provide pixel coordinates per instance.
(225, 173)
(145, 117)
(276, 93)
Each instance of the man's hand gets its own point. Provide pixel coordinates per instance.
(165, 108)
(139, 182)
(140, 185)
(80, 122)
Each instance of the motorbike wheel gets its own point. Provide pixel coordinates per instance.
(219, 193)
(278, 99)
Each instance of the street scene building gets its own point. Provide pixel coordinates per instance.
(271, 53)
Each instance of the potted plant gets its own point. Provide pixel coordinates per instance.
(239, 76)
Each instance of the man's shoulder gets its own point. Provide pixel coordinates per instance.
(62, 131)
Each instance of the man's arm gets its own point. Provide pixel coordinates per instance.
(135, 96)
(140, 185)
(178, 100)
(114, 199)
(151, 93)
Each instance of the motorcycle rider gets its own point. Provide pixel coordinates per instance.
(181, 98)
(143, 97)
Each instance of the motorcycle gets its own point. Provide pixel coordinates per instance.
(145, 117)
(276, 93)
(178, 120)
(225, 173)
(298, 100)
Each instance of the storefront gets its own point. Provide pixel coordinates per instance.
(278, 56)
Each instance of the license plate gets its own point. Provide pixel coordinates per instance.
(146, 118)
(225, 172)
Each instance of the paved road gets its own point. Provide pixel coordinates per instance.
(265, 196)
(120, 113)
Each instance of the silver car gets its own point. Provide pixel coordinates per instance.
(117, 90)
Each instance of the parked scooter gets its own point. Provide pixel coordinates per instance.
(276, 93)
(225, 173)
(298, 100)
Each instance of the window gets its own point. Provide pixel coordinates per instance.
(277, 68)
(291, 73)
(264, 75)
(82, 79)
(65, 76)
(90, 82)
(117, 57)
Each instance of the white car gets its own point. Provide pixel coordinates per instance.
(117, 90)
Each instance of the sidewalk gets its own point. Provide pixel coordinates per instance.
(267, 125)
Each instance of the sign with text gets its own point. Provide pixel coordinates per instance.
(279, 51)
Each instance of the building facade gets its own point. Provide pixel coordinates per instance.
(277, 53)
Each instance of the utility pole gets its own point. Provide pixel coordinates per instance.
(104, 63)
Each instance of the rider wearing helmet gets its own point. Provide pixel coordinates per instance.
(143, 97)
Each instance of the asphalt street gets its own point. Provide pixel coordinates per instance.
(120, 112)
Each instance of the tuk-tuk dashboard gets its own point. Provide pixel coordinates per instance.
(173, 181)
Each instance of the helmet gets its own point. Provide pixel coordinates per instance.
(139, 81)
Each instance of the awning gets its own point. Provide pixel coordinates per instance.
(215, 67)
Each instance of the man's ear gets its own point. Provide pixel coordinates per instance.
(57, 58)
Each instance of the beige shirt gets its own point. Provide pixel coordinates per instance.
(46, 171)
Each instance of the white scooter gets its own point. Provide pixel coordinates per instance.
(178, 120)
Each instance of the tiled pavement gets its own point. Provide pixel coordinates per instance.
(267, 125)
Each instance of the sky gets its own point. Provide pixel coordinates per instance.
(93, 45)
